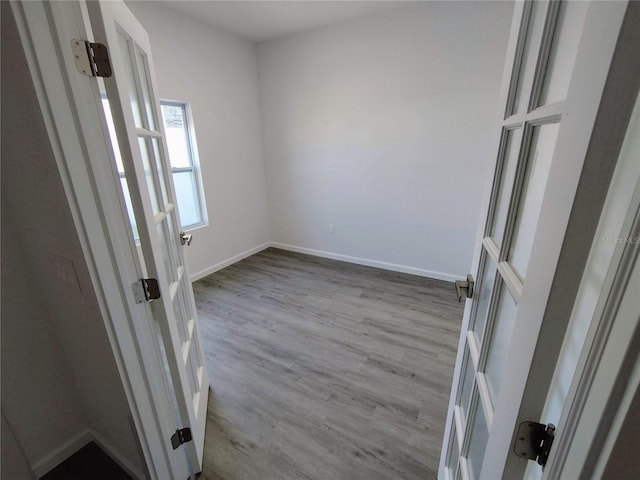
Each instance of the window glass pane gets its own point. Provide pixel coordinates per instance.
(146, 89)
(146, 163)
(562, 57)
(129, 79)
(530, 56)
(467, 385)
(478, 443)
(178, 310)
(173, 234)
(177, 135)
(186, 196)
(538, 165)
(127, 201)
(192, 370)
(157, 154)
(112, 134)
(500, 340)
(454, 453)
(505, 185)
(483, 296)
(164, 248)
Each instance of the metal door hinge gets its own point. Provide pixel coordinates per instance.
(462, 285)
(92, 59)
(146, 290)
(534, 440)
(182, 435)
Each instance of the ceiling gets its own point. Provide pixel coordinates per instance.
(260, 20)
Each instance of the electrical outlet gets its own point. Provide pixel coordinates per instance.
(332, 228)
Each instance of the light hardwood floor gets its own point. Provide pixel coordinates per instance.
(325, 370)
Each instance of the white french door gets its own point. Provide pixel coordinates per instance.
(551, 91)
(142, 162)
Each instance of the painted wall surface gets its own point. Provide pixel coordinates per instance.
(385, 127)
(216, 73)
(13, 461)
(59, 376)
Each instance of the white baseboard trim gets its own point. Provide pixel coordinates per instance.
(64, 451)
(448, 277)
(117, 456)
(370, 263)
(229, 261)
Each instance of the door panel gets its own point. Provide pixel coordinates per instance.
(135, 108)
(512, 138)
(564, 48)
(477, 442)
(483, 297)
(468, 375)
(532, 29)
(514, 263)
(538, 163)
(502, 327)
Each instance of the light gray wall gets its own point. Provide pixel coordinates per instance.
(216, 73)
(13, 461)
(59, 377)
(385, 127)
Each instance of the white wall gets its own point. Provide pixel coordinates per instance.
(215, 72)
(385, 127)
(60, 384)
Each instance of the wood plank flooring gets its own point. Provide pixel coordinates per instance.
(325, 370)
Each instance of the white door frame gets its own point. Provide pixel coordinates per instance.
(73, 119)
(608, 373)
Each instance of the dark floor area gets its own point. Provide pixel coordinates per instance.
(88, 463)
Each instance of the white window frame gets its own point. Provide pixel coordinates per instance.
(194, 169)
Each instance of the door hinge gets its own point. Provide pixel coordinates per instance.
(146, 290)
(534, 440)
(92, 59)
(182, 435)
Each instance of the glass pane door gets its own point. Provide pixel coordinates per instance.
(152, 209)
(525, 153)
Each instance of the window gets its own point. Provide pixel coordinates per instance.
(116, 152)
(184, 164)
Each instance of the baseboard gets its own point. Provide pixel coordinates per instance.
(55, 458)
(448, 277)
(369, 263)
(229, 261)
(117, 457)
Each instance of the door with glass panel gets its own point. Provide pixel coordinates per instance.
(136, 129)
(545, 110)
